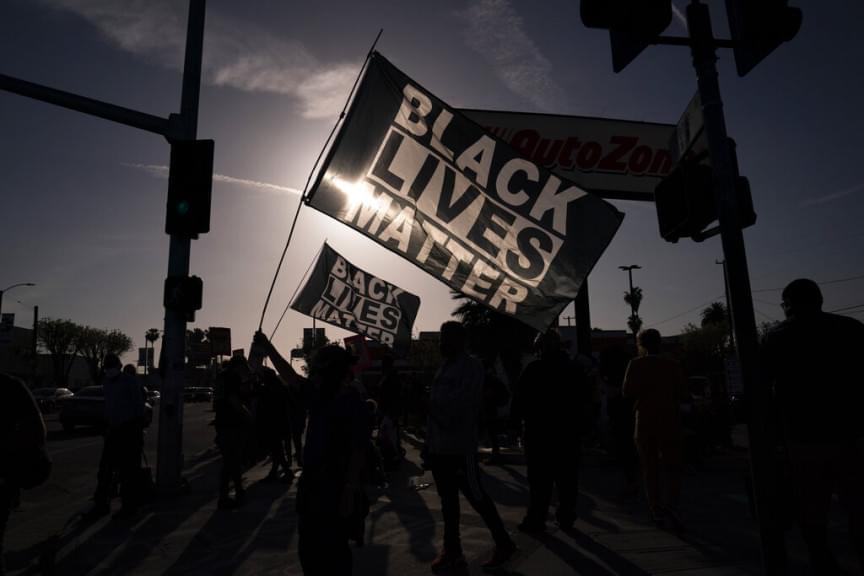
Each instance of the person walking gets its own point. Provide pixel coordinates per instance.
(552, 398)
(656, 386)
(23, 459)
(451, 450)
(233, 423)
(812, 371)
(331, 504)
(124, 440)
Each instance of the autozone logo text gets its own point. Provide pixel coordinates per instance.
(618, 155)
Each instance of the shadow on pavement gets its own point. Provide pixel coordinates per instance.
(412, 512)
(136, 540)
(228, 538)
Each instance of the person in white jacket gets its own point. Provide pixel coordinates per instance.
(451, 450)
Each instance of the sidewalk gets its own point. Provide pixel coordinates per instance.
(189, 536)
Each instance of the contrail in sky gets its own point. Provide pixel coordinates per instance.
(161, 171)
(237, 54)
(495, 30)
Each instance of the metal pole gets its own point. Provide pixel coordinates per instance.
(728, 309)
(583, 320)
(34, 345)
(704, 62)
(170, 451)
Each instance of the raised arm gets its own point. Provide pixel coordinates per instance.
(282, 366)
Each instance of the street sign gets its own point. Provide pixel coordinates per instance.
(611, 158)
(689, 133)
(220, 341)
(145, 357)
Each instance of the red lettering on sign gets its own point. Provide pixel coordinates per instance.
(613, 162)
(640, 159)
(662, 162)
(589, 155)
(525, 141)
(546, 152)
(565, 160)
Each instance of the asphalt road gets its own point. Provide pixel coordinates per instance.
(47, 509)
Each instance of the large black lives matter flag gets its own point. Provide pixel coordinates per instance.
(413, 174)
(341, 294)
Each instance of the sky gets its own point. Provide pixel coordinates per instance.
(82, 200)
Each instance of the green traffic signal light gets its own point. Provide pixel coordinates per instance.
(189, 188)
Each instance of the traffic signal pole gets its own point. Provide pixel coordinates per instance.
(170, 448)
(703, 47)
(177, 127)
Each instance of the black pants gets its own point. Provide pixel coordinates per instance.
(322, 542)
(8, 500)
(231, 443)
(454, 473)
(121, 453)
(548, 468)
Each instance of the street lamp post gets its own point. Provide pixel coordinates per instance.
(629, 270)
(10, 288)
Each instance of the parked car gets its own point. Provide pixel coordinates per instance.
(197, 394)
(49, 399)
(87, 408)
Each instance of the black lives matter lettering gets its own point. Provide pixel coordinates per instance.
(359, 302)
(466, 210)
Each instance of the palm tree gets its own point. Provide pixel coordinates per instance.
(715, 314)
(492, 334)
(633, 298)
(151, 336)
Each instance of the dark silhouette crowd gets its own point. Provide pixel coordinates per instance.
(345, 438)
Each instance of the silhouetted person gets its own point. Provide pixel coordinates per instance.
(451, 449)
(812, 361)
(622, 419)
(124, 439)
(233, 422)
(656, 386)
(273, 422)
(330, 497)
(552, 399)
(22, 433)
(390, 410)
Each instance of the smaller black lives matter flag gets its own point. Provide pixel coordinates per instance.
(421, 179)
(341, 294)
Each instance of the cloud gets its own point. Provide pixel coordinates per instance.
(161, 171)
(237, 54)
(825, 199)
(495, 30)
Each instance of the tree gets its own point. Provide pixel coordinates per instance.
(633, 298)
(95, 343)
(715, 314)
(492, 334)
(60, 339)
(151, 336)
(197, 347)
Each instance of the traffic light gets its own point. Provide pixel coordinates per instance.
(632, 24)
(758, 27)
(685, 199)
(190, 185)
(184, 294)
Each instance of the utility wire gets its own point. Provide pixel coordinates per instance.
(836, 281)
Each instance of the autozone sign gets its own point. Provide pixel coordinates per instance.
(615, 159)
